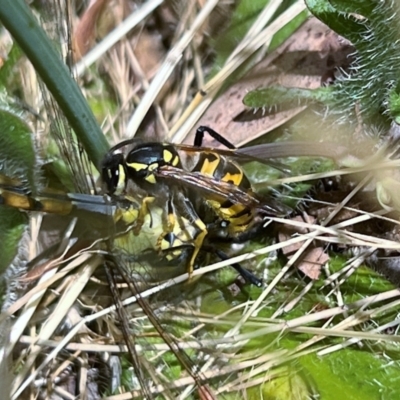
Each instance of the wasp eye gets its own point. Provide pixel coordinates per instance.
(112, 172)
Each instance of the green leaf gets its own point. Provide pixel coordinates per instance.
(361, 7)
(6, 71)
(18, 162)
(243, 18)
(345, 25)
(12, 226)
(16, 148)
(276, 95)
(394, 104)
(287, 30)
(353, 374)
(288, 385)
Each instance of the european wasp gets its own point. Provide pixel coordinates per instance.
(203, 191)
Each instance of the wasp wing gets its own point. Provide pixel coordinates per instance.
(221, 190)
(263, 152)
(238, 155)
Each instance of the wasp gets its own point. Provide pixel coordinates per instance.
(164, 209)
(204, 191)
(124, 213)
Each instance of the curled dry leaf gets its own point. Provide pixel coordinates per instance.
(308, 59)
(149, 51)
(97, 21)
(312, 262)
(289, 230)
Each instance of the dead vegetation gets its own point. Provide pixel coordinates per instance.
(161, 80)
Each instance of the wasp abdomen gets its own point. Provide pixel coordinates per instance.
(223, 169)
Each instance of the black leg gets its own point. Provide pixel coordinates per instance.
(245, 273)
(198, 139)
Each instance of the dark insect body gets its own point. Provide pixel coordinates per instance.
(203, 191)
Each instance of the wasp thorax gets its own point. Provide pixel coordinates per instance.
(144, 160)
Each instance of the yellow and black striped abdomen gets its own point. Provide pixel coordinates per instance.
(222, 168)
(226, 170)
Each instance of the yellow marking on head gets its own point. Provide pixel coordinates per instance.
(175, 161)
(121, 172)
(121, 181)
(167, 156)
(152, 167)
(137, 166)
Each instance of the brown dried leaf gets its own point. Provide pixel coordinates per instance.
(149, 51)
(307, 59)
(288, 231)
(97, 21)
(313, 258)
(312, 262)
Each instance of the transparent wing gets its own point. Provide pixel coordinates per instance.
(221, 190)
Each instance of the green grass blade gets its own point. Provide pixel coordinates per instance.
(20, 22)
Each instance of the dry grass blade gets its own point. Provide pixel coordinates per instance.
(63, 306)
(166, 69)
(112, 38)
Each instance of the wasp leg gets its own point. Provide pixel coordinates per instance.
(221, 231)
(177, 255)
(198, 238)
(198, 139)
(173, 235)
(182, 228)
(247, 275)
(143, 211)
(194, 227)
